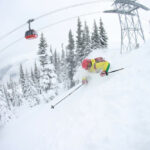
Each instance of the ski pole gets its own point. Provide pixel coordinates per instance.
(53, 106)
(115, 70)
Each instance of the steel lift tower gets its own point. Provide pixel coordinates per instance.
(131, 28)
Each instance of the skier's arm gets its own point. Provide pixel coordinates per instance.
(99, 59)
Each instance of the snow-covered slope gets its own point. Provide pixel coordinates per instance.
(11, 68)
(110, 113)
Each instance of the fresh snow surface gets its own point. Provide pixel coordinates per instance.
(110, 113)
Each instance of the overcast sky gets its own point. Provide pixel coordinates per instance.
(16, 12)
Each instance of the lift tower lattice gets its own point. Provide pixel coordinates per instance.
(131, 28)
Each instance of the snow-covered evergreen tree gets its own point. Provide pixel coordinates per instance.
(56, 62)
(31, 91)
(103, 35)
(7, 96)
(32, 76)
(70, 60)
(5, 111)
(53, 88)
(42, 51)
(43, 58)
(51, 55)
(86, 40)
(53, 74)
(63, 68)
(22, 80)
(37, 78)
(13, 93)
(28, 88)
(48, 77)
(79, 43)
(95, 42)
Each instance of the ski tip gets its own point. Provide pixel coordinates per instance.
(52, 107)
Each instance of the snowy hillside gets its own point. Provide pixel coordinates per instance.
(110, 113)
(11, 65)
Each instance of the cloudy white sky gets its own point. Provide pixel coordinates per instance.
(16, 12)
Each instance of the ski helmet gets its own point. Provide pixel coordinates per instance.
(85, 63)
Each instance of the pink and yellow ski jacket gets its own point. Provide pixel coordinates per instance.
(99, 64)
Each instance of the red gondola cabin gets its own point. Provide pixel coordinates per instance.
(31, 34)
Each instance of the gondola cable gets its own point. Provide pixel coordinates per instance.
(67, 19)
(12, 31)
(67, 7)
(14, 42)
(50, 13)
(50, 25)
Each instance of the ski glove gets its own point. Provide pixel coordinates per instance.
(103, 73)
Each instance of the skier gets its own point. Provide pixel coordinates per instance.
(98, 65)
